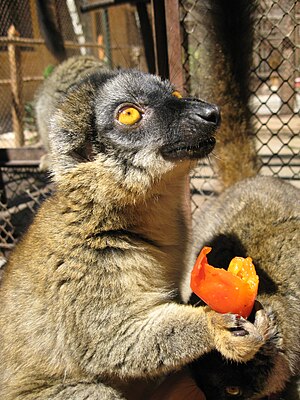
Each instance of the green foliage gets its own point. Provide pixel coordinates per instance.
(29, 116)
(48, 70)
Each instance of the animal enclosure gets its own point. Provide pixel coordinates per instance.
(126, 35)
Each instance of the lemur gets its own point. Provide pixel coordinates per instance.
(90, 295)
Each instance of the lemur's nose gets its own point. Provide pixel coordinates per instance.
(209, 112)
(205, 111)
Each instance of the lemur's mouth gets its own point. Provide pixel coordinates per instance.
(180, 151)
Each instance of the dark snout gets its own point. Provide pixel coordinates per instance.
(194, 135)
(205, 112)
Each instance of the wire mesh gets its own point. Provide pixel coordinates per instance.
(275, 88)
(116, 38)
(22, 191)
(276, 96)
(112, 35)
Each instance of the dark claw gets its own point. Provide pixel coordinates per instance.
(238, 330)
(257, 306)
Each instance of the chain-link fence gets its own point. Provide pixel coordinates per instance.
(275, 88)
(23, 191)
(111, 35)
(114, 36)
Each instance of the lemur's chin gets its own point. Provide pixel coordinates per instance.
(181, 151)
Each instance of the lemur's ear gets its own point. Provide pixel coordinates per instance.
(71, 128)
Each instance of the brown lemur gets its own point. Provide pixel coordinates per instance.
(255, 216)
(89, 297)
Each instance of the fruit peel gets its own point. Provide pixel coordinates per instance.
(232, 291)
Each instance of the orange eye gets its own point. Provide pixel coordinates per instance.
(129, 115)
(177, 94)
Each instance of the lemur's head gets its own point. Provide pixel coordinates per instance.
(224, 379)
(132, 122)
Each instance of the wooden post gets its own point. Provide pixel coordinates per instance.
(101, 52)
(34, 19)
(16, 83)
(160, 38)
(174, 44)
(147, 36)
(176, 76)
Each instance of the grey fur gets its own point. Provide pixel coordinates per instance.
(260, 218)
(47, 97)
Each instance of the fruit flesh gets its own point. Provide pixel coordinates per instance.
(232, 291)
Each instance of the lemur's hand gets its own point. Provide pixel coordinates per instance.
(235, 337)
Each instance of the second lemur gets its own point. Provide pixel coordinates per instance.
(255, 216)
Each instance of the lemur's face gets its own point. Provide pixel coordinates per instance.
(222, 379)
(225, 379)
(133, 121)
(140, 118)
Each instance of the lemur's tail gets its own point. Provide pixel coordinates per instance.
(230, 27)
